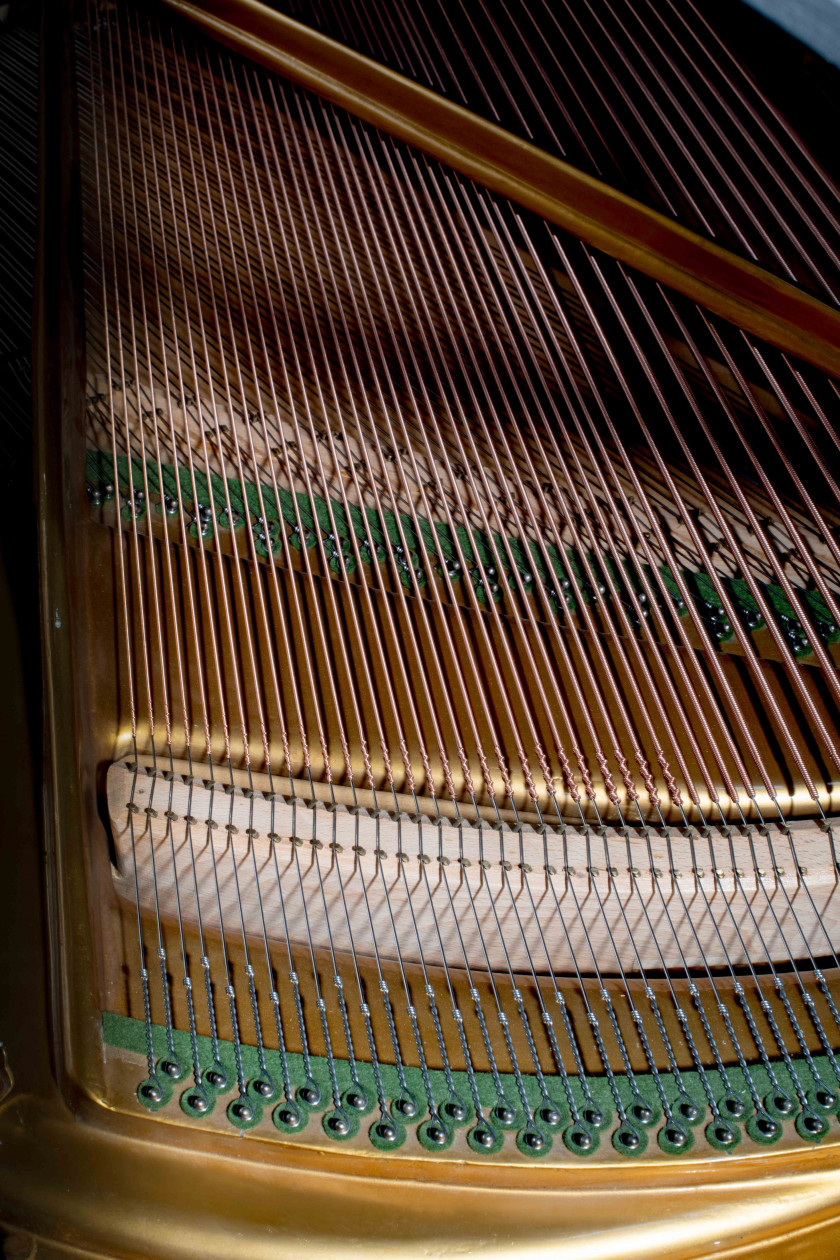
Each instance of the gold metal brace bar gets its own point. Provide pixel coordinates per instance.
(719, 280)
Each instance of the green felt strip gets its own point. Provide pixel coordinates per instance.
(125, 1033)
(568, 577)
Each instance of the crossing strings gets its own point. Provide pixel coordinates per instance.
(476, 613)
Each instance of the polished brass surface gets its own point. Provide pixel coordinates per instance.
(739, 290)
(109, 687)
(106, 1184)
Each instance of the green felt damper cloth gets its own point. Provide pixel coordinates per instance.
(487, 1136)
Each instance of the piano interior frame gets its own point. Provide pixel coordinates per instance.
(88, 1176)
